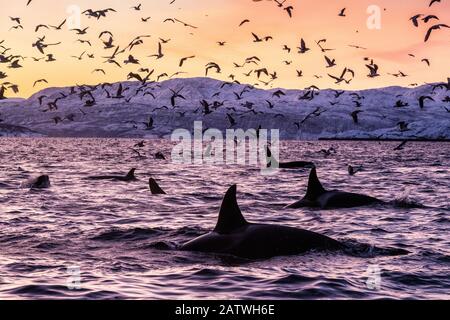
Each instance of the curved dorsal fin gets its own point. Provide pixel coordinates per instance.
(315, 188)
(154, 187)
(230, 216)
(130, 174)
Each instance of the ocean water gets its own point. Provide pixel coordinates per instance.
(85, 239)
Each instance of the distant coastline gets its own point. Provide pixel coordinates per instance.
(392, 113)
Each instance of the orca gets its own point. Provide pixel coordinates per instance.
(129, 177)
(318, 197)
(233, 235)
(273, 163)
(160, 156)
(41, 182)
(155, 188)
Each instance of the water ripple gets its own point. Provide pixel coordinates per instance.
(124, 240)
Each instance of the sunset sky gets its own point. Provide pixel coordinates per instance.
(218, 20)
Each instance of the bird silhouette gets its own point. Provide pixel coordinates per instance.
(244, 22)
(354, 115)
(183, 60)
(433, 2)
(160, 54)
(80, 31)
(330, 62)
(422, 100)
(415, 19)
(39, 81)
(434, 28)
(58, 27)
(303, 48)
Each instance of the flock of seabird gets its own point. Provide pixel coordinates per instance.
(148, 79)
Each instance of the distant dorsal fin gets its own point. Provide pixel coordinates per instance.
(130, 174)
(154, 187)
(230, 216)
(315, 188)
(271, 161)
(269, 153)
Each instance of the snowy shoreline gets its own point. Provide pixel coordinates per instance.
(41, 136)
(298, 114)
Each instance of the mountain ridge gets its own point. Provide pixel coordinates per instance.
(379, 116)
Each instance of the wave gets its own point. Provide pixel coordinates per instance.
(363, 250)
(404, 201)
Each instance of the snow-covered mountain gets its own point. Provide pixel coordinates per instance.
(17, 131)
(387, 113)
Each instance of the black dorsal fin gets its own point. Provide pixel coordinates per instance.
(230, 216)
(269, 153)
(154, 187)
(315, 188)
(271, 161)
(130, 174)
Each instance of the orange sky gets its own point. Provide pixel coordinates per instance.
(218, 20)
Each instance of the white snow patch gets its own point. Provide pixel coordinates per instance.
(118, 118)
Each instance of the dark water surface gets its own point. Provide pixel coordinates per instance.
(123, 239)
